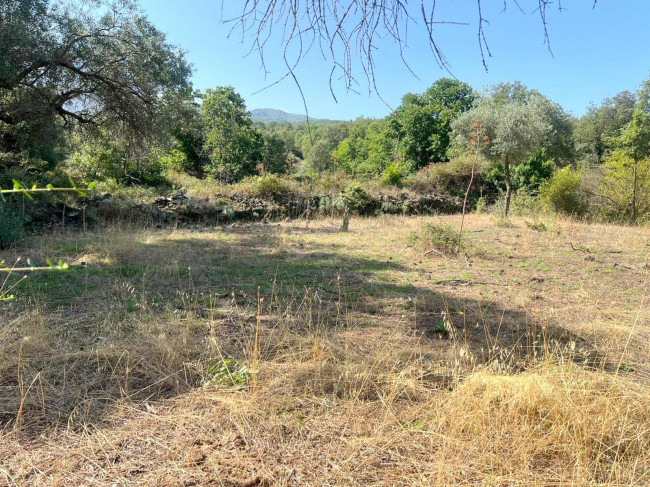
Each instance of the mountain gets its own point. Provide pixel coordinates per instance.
(273, 115)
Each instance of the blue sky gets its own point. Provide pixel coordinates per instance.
(596, 53)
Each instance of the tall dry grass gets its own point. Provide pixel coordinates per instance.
(335, 383)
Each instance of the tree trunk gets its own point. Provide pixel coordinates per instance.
(346, 220)
(508, 188)
(636, 164)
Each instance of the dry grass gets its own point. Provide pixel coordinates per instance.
(359, 361)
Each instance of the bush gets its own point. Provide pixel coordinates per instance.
(269, 186)
(443, 238)
(393, 175)
(522, 203)
(526, 177)
(449, 177)
(104, 160)
(616, 187)
(11, 225)
(356, 198)
(563, 193)
(480, 205)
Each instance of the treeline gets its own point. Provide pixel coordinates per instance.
(95, 91)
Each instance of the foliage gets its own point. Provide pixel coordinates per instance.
(318, 158)
(393, 175)
(269, 186)
(527, 176)
(614, 192)
(563, 193)
(235, 146)
(94, 64)
(103, 158)
(517, 124)
(634, 140)
(596, 131)
(448, 177)
(422, 123)
(11, 224)
(481, 205)
(368, 150)
(229, 373)
(274, 154)
(441, 237)
(189, 153)
(355, 198)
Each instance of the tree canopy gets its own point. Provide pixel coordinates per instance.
(516, 124)
(94, 64)
(234, 144)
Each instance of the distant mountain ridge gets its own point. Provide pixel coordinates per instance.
(275, 115)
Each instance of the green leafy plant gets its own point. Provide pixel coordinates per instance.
(25, 190)
(270, 186)
(620, 182)
(355, 198)
(563, 193)
(393, 175)
(228, 213)
(11, 228)
(481, 205)
(229, 373)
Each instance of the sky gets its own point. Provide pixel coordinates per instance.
(596, 53)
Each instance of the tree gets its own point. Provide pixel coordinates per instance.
(94, 64)
(621, 183)
(634, 140)
(235, 146)
(596, 131)
(423, 122)
(515, 128)
(369, 148)
(274, 153)
(319, 141)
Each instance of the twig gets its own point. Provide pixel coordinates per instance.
(586, 251)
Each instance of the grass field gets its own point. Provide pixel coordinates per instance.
(292, 354)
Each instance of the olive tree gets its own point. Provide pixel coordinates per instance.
(515, 130)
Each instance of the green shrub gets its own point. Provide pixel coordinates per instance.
(616, 187)
(393, 175)
(440, 237)
(526, 177)
(269, 186)
(481, 205)
(522, 203)
(105, 160)
(228, 373)
(11, 225)
(356, 198)
(563, 193)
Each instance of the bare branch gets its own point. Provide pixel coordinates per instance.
(348, 31)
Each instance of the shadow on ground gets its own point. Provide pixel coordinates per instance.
(138, 326)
